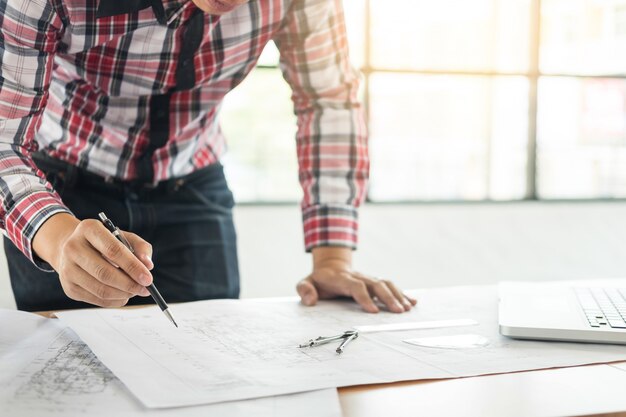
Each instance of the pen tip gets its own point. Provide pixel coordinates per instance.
(169, 316)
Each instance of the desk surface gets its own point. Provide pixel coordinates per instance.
(593, 390)
(584, 390)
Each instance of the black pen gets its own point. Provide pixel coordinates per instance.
(156, 295)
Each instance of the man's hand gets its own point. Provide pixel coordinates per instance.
(333, 277)
(93, 266)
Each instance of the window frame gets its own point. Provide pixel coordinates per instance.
(533, 74)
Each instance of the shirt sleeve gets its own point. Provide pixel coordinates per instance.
(332, 136)
(29, 35)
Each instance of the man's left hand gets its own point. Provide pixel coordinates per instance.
(333, 277)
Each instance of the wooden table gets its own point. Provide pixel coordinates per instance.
(593, 390)
(597, 390)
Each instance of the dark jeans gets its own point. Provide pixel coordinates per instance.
(188, 222)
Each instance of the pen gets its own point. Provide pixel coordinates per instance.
(156, 295)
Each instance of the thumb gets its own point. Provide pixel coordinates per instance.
(143, 250)
(307, 292)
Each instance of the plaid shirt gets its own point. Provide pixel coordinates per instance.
(131, 90)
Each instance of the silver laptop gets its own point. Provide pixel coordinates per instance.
(581, 311)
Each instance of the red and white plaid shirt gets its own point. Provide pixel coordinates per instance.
(131, 89)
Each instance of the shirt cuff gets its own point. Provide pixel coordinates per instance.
(330, 225)
(26, 217)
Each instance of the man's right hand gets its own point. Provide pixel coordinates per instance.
(85, 255)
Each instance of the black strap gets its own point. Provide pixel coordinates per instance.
(159, 11)
(160, 104)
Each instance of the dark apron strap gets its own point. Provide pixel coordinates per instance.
(160, 104)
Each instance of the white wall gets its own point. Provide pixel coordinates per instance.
(436, 245)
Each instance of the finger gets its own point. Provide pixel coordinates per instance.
(358, 291)
(307, 292)
(106, 274)
(104, 242)
(143, 249)
(406, 304)
(80, 294)
(384, 294)
(84, 280)
(412, 300)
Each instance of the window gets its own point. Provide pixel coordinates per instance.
(261, 162)
(466, 100)
(581, 130)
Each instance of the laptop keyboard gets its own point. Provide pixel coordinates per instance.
(604, 307)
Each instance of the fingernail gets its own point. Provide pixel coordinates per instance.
(145, 280)
(374, 309)
(145, 292)
(399, 307)
(407, 305)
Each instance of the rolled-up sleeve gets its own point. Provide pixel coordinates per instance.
(29, 36)
(332, 136)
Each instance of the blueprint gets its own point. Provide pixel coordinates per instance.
(46, 370)
(227, 350)
(236, 349)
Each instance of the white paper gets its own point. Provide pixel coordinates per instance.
(503, 354)
(46, 370)
(229, 349)
(226, 350)
(436, 324)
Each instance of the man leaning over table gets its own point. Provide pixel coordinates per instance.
(112, 105)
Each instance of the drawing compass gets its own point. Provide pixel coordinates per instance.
(346, 338)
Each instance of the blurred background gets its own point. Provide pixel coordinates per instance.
(497, 140)
(468, 100)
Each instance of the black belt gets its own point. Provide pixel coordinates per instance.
(72, 176)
